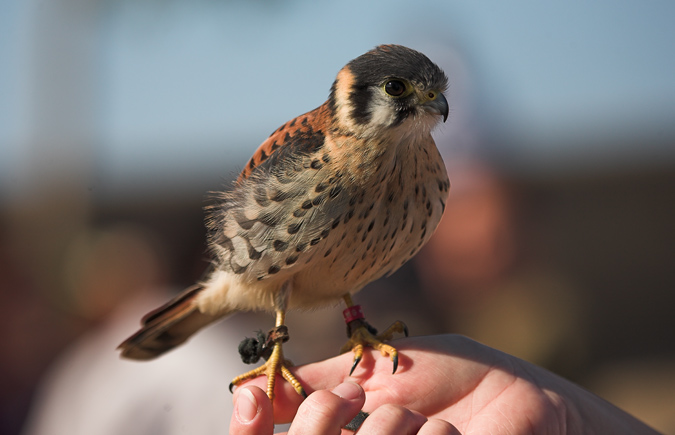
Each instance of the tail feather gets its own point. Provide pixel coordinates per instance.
(167, 327)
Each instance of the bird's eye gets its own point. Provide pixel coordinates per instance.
(395, 88)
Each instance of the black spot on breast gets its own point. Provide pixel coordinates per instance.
(325, 233)
(327, 253)
(260, 196)
(315, 241)
(299, 212)
(269, 219)
(237, 269)
(251, 163)
(300, 247)
(294, 228)
(320, 187)
(292, 259)
(335, 191)
(280, 195)
(225, 242)
(349, 215)
(316, 164)
(325, 157)
(370, 227)
(353, 200)
(252, 253)
(390, 197)
(405, 204)
(273, 269)
(319, 200)
(336, 222)
(363, 238)
(280, 245)
(244, 222)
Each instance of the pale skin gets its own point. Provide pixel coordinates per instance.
(445, 384)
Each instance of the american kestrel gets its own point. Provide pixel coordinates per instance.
(332, 200)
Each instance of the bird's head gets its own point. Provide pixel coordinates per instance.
(388, 87)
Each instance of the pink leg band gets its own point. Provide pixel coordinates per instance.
(353, 313)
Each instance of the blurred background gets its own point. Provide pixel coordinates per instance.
(117, 118)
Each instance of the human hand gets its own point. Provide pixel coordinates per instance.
(327, 412)
(449, 378)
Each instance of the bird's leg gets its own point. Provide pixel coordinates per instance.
(275, 361)
(362, 334)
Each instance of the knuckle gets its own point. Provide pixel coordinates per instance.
(395, 411)
(318, 406)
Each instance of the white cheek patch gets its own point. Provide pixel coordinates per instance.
(381, 111)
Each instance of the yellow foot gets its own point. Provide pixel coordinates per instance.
(274, 364)
(362, 334)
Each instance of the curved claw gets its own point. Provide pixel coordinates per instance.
(395, 360)
(356, 362)
(405, 331)
(230, 388)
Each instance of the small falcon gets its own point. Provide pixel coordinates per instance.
(332, 200)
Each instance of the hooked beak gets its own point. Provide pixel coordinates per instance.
(439, 106)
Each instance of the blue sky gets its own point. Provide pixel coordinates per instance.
(197, 85)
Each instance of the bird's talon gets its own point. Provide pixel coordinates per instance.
(356, 362)
(360, 335)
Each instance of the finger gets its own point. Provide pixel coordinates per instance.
(252, 412)
(317, 376)
(437, 426)
(326, 412)
(392, 419)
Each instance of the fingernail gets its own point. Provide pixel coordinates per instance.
(247, 406)
(348, 391)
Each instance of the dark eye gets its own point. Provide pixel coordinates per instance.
(395, 88)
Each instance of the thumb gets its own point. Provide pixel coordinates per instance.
(253, 414)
